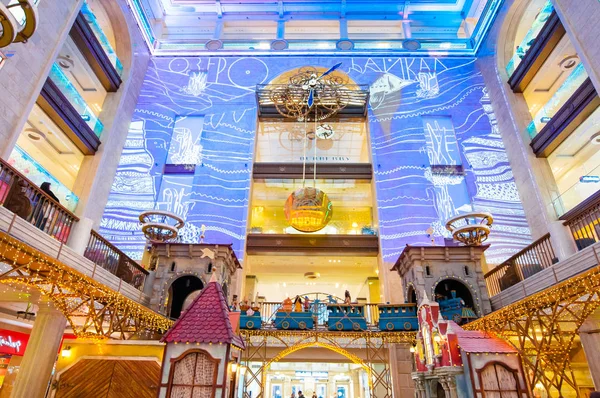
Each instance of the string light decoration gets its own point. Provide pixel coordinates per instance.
(93, 310)
(544, 326)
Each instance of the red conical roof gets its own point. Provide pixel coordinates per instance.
(205, 321)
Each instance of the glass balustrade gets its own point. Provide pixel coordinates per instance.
(529, 38)
(587, 185)
(91, 19)
(67, 88)
(562, 95)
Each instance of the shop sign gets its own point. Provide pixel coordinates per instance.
(588, 179)
(12, 343)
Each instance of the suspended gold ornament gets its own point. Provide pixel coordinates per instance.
(308, 209)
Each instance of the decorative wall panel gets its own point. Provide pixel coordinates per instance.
(422, 112)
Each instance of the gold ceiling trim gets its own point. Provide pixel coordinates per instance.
(543, 328)
(92, 309)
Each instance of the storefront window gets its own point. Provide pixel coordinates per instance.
(69, 90)
(576, 165)
(285, 142)
(535, 18)
(75, 68)
(562, 95)
(45, 154)
(352, 204)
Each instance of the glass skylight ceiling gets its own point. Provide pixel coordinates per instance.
(195, 27)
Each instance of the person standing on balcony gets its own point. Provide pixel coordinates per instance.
(17, 200)
(46, 210)
(46, 188)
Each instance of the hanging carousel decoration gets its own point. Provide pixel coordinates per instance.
(19, 22)
(160, 226)
(470, 229)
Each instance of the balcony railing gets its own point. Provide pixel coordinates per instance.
(109, 257)
(42, 211)
(529, 261)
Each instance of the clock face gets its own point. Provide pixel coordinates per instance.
(324, 131)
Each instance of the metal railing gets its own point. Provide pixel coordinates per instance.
(109, 257)
(268, 310)
(537, 256)
(21, 196)
(585, 227)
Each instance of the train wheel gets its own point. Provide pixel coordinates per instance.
(339, 325)
(407, 326)
(285, 325)
(355, 326)
(457, 318)
(302, 325)
(250, 325)
(389, 326)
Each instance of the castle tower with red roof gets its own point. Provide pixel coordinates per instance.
(456, 363)
(202, 348)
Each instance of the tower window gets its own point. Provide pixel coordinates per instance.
(173, 265)
(210, 268)
(427, 270)
(467, 270)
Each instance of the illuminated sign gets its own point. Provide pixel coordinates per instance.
(13, 343)
(317, 375)
(586, 179)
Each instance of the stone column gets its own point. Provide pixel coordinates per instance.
(580, 19)
(80, 235)
(36, 367)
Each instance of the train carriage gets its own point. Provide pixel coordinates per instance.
(294, 320)
(397, 317)
(250, 322)
(343, 317)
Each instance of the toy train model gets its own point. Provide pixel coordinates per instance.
(351, 317)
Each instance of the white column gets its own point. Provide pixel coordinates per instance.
(80, 235)
(36, 367)
(580, 18)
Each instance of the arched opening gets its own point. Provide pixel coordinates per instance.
(182, 290)
(292, 371)
(411, 295)
(444, 289)
(440, 393)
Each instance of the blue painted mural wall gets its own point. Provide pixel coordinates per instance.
(422, 112)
